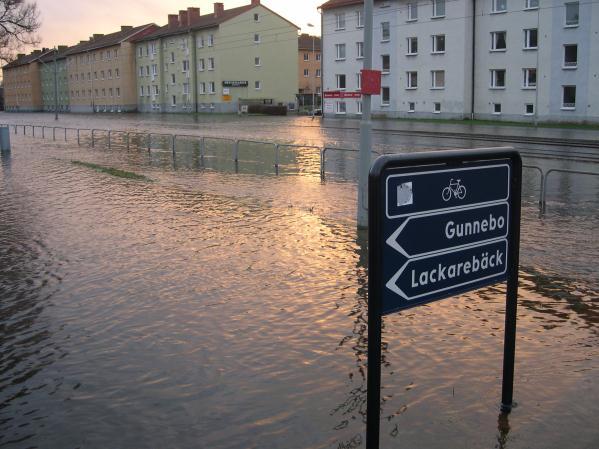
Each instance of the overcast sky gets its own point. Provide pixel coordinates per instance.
(66, 22)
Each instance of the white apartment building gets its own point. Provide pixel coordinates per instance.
(523, 60)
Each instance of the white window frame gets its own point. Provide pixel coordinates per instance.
(257, 61)
(527, 84)
(570, 65)
(436, 110)
(383, 102)
(531, 4)
(359, 107)
(496, 4)
(257, 38)
(411, 106)
(359, 50)
(258, 85)
(318, 73)
(359, 18)
(526, 106)
(494, 78)
(385, 31)
(201, 65)
(410, 85)
(211, 64)
(412, 12)
(436, 40)
(495, 111)
(386, 71)
(339, 21)
(340, 107)
(339, 54)
(434, 85)
(495, 38)
(568, 106)
(571, 24)
(411, 51)
(439, 8)
(528, 38)
(306, 73)
(338, 78)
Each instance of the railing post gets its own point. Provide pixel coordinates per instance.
(16, 126)
(149, 143)
(202, 148)
(277, 156)
(236, 151)
(78, 138)
(173, 143)
(127, 141)
(24, 127)
(65, 134)
(544, 190)
(33, 130)
(43, 132)
(93, 141)
(322, 162)
(109, 134)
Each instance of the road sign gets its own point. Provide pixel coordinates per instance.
(440, 224)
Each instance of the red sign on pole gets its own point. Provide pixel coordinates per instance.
(371, 82)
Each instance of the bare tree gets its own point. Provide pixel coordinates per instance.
(19, 21)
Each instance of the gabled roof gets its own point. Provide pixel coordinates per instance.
(205, 21)
(331, 4)
(27, 59)
(307, 42)
(109, 40)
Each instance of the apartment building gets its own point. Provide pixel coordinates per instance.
(55, 83)
(525, 60)
(310, 71)
(218, 61)
(101, 71)
(22, 85)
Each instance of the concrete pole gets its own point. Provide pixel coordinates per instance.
(4, 138)
(365, 124)
(313, 84)
(55, 86)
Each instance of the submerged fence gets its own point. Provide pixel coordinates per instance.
(144, 141)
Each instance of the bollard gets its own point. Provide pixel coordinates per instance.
(236, 151)
(93, 142)
(5, 138)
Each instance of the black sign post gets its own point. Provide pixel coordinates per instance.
(440, 224)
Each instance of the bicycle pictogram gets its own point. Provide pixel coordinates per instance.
(455, 188)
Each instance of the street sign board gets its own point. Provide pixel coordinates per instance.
(440, 224)
(443, 228)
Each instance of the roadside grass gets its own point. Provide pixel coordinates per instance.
(112, 171)
(555, 125)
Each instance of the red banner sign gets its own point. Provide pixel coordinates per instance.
(341, 94)
(371, 82)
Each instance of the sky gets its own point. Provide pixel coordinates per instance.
(66, 22)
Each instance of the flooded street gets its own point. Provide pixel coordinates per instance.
(223, 306)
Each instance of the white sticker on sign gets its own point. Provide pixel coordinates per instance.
(405, 195)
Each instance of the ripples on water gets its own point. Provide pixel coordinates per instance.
(220, 310)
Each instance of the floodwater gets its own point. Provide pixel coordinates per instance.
(223, 306)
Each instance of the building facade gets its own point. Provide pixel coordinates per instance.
(55, 83)
(217, 62)
(101, 71)
(523, 60)
(310, 71)
(22, 83)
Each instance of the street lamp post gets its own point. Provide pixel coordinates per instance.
(313, 87)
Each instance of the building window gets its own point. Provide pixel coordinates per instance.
(436, 108)
(572, 14)
(438, 8)
(140, 51)
(411, 106)
(306, 73)
(412, 12)
(257, 61)
(340, 81)
(200, 41)
(530, 39)
(109, 92)
(258, 85)
(439, 43)
(211, 40)
(102, 74)
(532, 4)
(172, 78)
(211, 87)
(340, 52)
(256, 18)
(412, 78)
(570, 56)
(498, 41)
(385, 96)
(497, 108)
(359, 81)
(341, 107)
(185, 65)
(202, 88)
(412, 46)
(569, 97)
(154, 69)
(359, 50)
(172, 58)
(318, 56)
(386, 32)
(155, 90)
(174, 100)
(256, 38)
(529, 109)
(359, 106)
(201, 65)
(211, 64)
(359, 18)
(340, 21)
(498, 79)
(117, 73)
(306, 56)
(438, 79)
(386, 62)
(530, 78)
(318, 73)
(499, 6)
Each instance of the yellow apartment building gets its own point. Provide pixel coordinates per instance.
(22, 83)
(310, 70)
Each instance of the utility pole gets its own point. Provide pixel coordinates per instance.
(55, 85)
(365, 124)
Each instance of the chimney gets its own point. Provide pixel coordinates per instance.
(126, 27)
(255, 2)
(62, 47)
(82, 42)
(219, 9)
(97, 36)
(36, 52)
(20, 55)
(193, 15)
(183, 18)
(173, 20)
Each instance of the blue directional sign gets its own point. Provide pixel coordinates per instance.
(444, 228)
